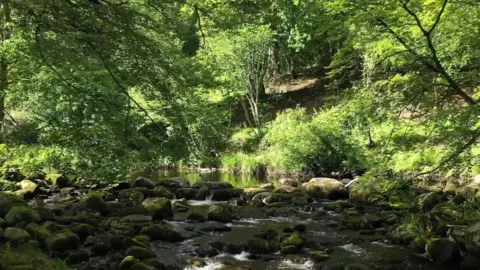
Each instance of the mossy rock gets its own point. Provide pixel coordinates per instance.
(402, 235)
(251, 192)
(419, 244)
(19, 214)
(211, 185)
(140, 253)
(156, 264)
(327, 188)
(294, 240)
(27, 189)
(160, 191)
(62, 241)
(100, 249)
(130, 197)
(60, 180)
(16, 235)
(37, 232)
(134, 210)
(142, 266)
(427, 201)
(163, 233)
(83, 231)
(186, 193)
(127, 263)
(144, 182)
(443, 251)
(289, 250)
(95, 202)
(219, 213)
(160, 207)
(318, 255)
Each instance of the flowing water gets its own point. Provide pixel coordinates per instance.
(348, 247)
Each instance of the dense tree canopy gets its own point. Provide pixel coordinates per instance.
(110, 86)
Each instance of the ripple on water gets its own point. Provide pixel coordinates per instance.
(211, 265)
(287, 264)
(352, 248)
(204, 202)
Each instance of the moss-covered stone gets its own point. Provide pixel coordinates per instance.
(130, 197)
(160, 207)
(27, 189)
(318, 255)
(427, 201)
(100, 249)
(37, 232)
(163, 233)
(160, 191)
(140, 253)
(95, 202)
(294, 240)
(142, 266)
(16, 235)
(251, 192)
(185, 193)
(127, 263)
(326, 188)
(196, 216)
(356, 266)
(219, 213)
(83, 231)
(22, 214)
(443, 251)
(62, 241)
(144, 182)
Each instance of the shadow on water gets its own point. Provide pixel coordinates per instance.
(237, 180)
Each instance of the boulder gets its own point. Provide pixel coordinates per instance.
(130, 197)
(289, 182)
(160, 191)
(225, 194)
(219, 213)
(469, 262)
(427, 201)
(19, 214)
(62, 241)
(250, 192)
(443, 251)
(174, 183)
(180, 205)
(186, 193)
(37, 232)
(127, 263)
(267, 186)
(16, 235)
(59, 180)
(471, 239)
(7, 202)
(99, 249)
(95, 202)
(83, 231)
(28, 189)
(163, 233)
(327, 188)
(294, 240)
(137, 219)
(160, 207)
(144, 182)
(140, 253)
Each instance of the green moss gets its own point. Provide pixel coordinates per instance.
(62, 241)
(27, 257)
(22, 214)
(37, 232)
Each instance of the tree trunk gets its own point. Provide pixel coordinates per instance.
(5, 36)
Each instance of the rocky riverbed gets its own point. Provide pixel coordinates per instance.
(172, 224)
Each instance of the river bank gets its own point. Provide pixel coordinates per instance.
(173, 223)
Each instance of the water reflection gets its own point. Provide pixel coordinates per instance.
(237, 180)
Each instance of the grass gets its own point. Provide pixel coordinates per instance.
(27, 257)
